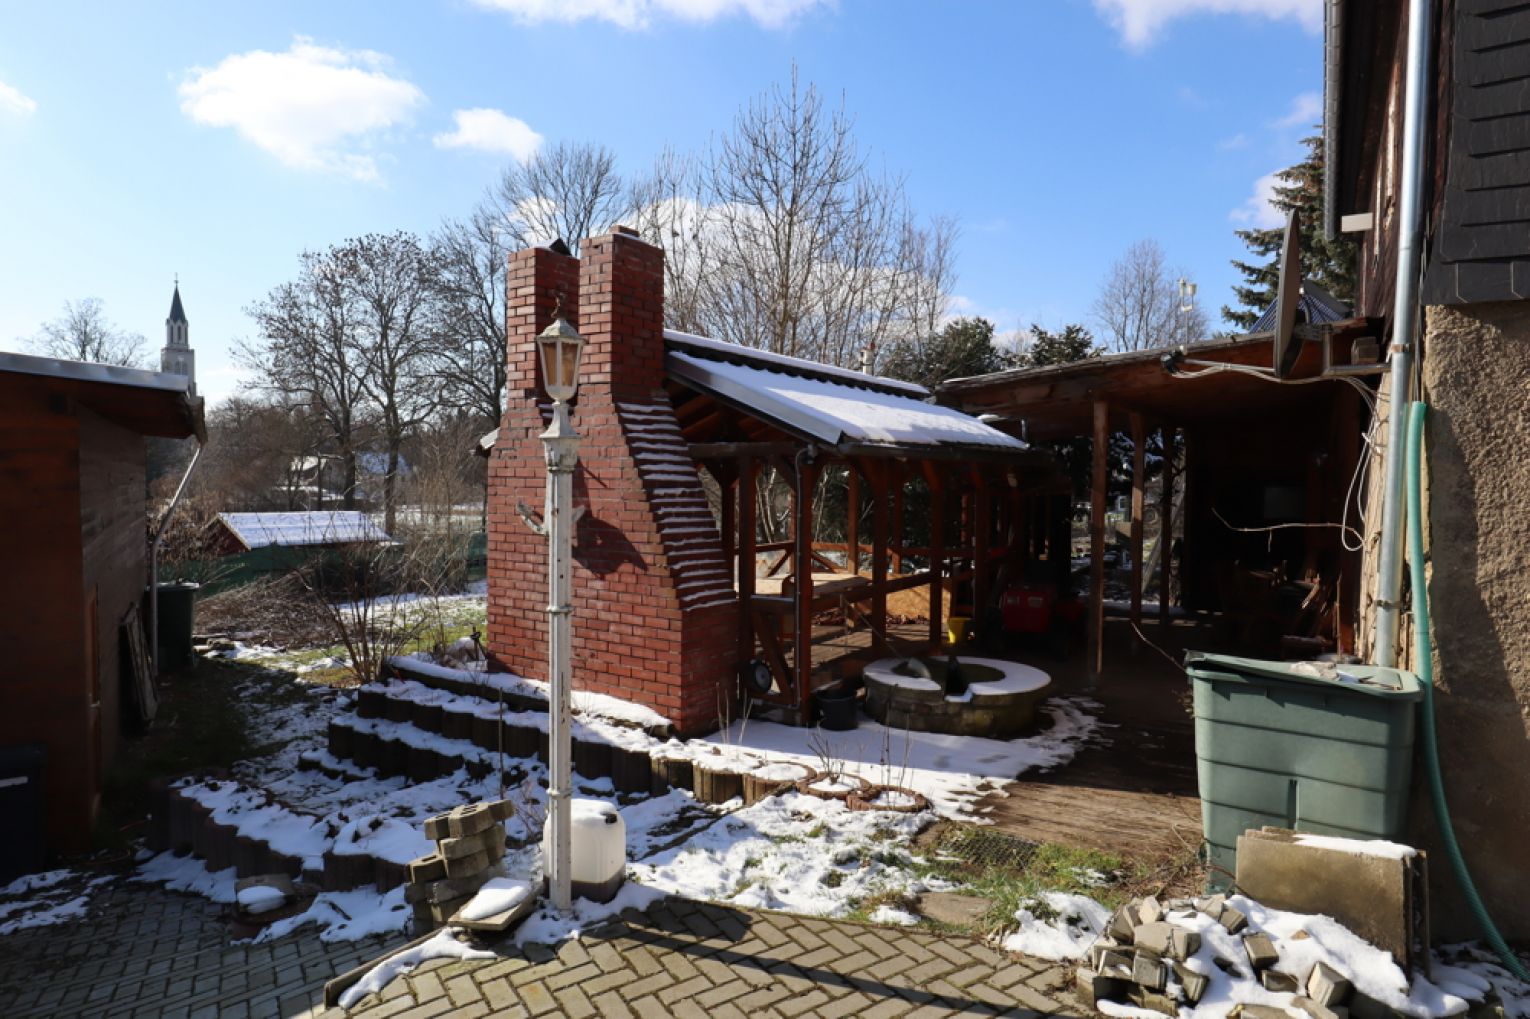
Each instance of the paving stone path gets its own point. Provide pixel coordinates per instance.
(685, 959)
(143, 951)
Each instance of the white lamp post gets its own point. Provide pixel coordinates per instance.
(559, 347)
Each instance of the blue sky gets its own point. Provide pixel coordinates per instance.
(217, 142)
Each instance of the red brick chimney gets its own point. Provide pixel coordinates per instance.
(655, 615)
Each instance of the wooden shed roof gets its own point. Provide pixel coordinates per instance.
(147, 402)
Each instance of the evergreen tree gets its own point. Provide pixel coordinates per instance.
(963, 348)
(1330, 264)
(1069, 344)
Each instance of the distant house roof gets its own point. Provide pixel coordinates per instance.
(316, 527)
(1315, 305)
(148, 402)
(833, 406)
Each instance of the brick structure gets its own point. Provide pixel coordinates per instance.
(655, 611)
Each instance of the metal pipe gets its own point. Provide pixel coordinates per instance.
(561, 443)
(159, 537)
(1410, 220)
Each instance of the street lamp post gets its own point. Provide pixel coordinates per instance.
(559, 347)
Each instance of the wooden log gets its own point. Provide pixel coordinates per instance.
(1097, 494)
(1165, 525)
(1139, 504)
(631, 770)
(668, 773)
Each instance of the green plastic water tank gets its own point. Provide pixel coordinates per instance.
(177, 612)
(1306, 745)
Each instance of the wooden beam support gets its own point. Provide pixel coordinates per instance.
(1101, 458)
(982, 537)
(1139, 505)
(802, 589)
(1165, 525)
(853, 519)
(733, 450)
(899, 484)
(877, 476)
(937, 556)
(745, 563)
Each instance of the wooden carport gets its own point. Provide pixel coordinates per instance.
(1220, 402)
(744, 412)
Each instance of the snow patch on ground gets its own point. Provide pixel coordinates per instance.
(1058, 926)
(893, 915)
(188, 874)
(443, 946)
(1470, 971)
(546, 926)
(347, 916)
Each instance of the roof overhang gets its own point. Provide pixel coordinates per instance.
(147, 402)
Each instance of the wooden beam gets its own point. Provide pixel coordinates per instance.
(937, 556)
(898, 484)
(729, 491)
(1139, 504)
(802, 589)
(1165, 525)
(982, 543)
(853, 519)
(747, 470)
(878, 479)
(1101, 458)
(733, 450)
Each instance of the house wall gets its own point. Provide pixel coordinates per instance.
(1476, 380)
(44, 686)
(640, 631)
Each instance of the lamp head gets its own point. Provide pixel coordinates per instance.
(559, 346)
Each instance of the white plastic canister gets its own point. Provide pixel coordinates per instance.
(598, 845)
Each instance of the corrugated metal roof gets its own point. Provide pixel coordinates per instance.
(315, 527)
(833, 412)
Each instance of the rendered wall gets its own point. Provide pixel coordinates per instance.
(1476, 379)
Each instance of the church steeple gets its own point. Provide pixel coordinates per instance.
(177, 356)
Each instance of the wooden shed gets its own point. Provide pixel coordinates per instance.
(73, 460)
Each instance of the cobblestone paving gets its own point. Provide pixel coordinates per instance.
(685, 959)
(143, 951)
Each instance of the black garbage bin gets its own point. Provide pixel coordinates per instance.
(837, 707)
(25, 846)
(177, 609)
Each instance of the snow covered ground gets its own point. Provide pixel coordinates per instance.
(47, 898)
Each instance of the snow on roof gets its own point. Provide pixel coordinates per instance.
(317, 527)
(835, 413)
(783, 363)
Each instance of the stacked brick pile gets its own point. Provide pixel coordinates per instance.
(470, 845)
(1142, 959)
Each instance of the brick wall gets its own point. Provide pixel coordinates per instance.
(655, 616)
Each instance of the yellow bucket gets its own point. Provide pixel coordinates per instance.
(956, 628)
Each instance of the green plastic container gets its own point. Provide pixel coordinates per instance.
(1319, 748)
(177, 612)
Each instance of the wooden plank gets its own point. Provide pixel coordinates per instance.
(1139, 500)
(141, 683)
(982, 536)
(898, 483)
(733, 450)
(728, 487)
(1101, 457)
(802, 589)
(1165, 525)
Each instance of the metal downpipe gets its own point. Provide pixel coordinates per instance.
(159, 537)
(1405, 310)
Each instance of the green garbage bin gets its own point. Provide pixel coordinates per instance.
(1305, 745)
(177, 611)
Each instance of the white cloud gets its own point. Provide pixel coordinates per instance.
(1306, 112)
(490, 131)
(1140, 21)
(641, 13)
(1237, 141)
(1259, 211)
(312, 107)
(13, 101)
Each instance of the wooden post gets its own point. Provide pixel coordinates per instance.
(897, 483)
(982, 517)
(937, 555)
(1101, 457)
(1165, 525)
(747, 468)
(1139, 504)
(802, 568)
(853, 519)
(877, 476)
(727, 477)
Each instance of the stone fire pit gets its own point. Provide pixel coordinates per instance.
(1000, 700)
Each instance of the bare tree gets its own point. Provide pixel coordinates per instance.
(1139, 305)
(83, 333)
(568, 191)
(469, 360)
(392, 279)
(308, 353)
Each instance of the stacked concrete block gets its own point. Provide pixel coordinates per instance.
(1143, 960)
(470, 845)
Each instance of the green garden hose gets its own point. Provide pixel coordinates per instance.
(1423, 653)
